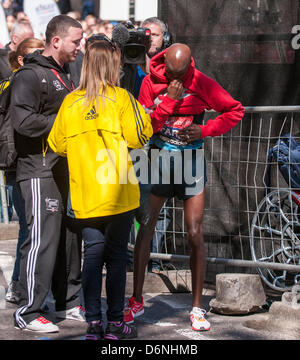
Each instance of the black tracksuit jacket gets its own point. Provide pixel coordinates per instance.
(33, 115)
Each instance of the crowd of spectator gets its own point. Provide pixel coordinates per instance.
(91, 24)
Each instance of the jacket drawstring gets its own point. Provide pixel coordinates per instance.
(44, 149)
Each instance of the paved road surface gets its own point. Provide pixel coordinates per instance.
(165, 317)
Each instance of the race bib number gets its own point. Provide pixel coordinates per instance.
(169, 133)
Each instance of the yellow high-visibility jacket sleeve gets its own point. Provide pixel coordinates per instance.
(135, 123)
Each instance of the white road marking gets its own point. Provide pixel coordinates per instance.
(191, 334)
(164, 324)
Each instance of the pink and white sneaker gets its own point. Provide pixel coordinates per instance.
(132, 310)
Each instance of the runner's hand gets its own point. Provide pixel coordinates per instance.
(190, 133)
(175, 89)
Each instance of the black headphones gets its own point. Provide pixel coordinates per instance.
(167, 38)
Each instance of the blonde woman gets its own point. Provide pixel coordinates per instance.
(94, 128)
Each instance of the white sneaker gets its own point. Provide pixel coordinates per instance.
(12, 294)
(76, 313)
(41, 325)
(198, 321)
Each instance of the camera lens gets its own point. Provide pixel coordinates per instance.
(134, 54)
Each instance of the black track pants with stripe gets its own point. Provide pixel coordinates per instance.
(51, 254)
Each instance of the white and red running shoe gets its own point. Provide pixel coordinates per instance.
(41, 325)
(198, 321)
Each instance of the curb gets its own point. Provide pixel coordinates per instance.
(173, 281)
(9, 231)
(170, 281)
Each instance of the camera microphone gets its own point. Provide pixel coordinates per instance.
(120, 34)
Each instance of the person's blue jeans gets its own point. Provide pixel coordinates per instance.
(105, 243)
(19, 205)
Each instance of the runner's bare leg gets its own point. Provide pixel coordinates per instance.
(142, 245)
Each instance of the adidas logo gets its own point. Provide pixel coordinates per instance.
(44, 81)
(91, 114)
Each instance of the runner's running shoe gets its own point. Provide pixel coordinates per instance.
(198, 321)
(133, 309)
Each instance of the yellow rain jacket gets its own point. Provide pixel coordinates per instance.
(96, 142)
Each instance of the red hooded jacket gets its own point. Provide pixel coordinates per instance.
(200, 93)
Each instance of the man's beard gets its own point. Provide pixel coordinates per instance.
(66, 56)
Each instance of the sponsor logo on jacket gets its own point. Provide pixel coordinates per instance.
(92, 114)
(58, 85)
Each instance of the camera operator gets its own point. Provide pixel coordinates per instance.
(160, 39)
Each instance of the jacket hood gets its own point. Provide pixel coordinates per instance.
(47, 62)
(158, 69)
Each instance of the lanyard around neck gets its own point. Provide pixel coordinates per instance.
(61, 80)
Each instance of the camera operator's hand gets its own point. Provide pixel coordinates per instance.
(175, 89)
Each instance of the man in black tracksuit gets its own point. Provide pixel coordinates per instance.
(42, 175)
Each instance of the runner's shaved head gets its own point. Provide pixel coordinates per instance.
(177, 60)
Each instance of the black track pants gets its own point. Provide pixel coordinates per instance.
(47, 259)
